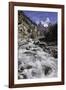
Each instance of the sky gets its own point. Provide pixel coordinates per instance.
(37, 16)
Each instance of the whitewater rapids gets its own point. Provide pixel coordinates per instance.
(33, 62)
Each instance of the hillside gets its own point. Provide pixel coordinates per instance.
(26, 27)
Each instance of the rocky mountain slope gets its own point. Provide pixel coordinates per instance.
(26, 28)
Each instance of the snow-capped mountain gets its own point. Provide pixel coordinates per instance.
(44, 23)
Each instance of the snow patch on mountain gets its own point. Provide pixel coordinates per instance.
(44, 23)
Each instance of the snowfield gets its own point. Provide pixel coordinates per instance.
(33, 62)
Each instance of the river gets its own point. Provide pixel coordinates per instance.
(33, 62)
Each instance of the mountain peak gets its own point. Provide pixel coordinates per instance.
(47, 20)
(44, 23)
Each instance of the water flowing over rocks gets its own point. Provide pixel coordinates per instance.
(34, 61)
